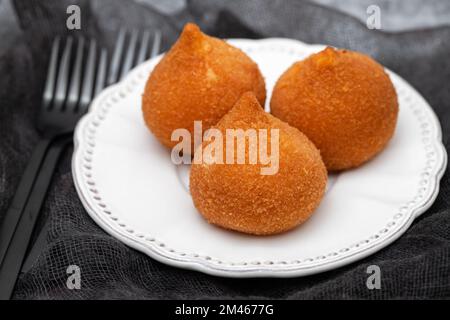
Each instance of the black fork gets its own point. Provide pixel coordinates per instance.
(58, 115)
(69, 89)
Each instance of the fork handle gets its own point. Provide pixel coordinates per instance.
(14, 212)
(15, 253)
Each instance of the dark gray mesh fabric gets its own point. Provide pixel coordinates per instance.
(415, 266)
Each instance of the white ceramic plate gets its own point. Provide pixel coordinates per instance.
(130, 187)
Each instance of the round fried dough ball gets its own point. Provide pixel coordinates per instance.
(343, 101)
(243, 197)
(199, 79)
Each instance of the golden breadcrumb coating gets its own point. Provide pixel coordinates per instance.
(200, 78)
(343, 101)
(238, 197)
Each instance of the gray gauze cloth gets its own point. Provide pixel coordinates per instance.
(416, 266)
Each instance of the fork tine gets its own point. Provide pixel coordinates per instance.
(88, 81)
(128, 62)
(74, 90)
(101, 72)
(156, 44)
(115, 62)
(63, 76)
(145, 41)
(51, 75)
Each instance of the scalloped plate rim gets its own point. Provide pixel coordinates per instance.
(237, 271)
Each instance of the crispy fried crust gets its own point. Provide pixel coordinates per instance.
(238, 197)
(343, 101)
(200, 78)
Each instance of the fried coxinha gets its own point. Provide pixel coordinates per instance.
(199, 79)
(343, 101)
(238, 197)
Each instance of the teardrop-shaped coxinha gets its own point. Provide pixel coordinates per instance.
(199, 79)
(238, 197)
(343, 101)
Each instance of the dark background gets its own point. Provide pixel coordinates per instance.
(413, 42)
